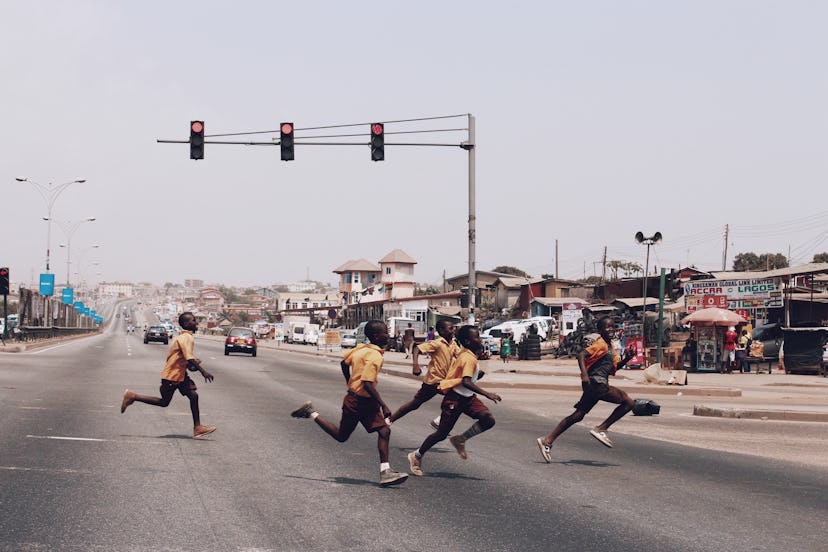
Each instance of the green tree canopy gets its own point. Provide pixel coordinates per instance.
(820, 257)
(510, 270)
(744, 262)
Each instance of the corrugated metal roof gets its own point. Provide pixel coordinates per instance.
(559, 301)
(513, 281)
(810, 268)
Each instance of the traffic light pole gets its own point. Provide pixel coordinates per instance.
(469, 146)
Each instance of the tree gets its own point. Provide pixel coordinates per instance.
(820, 257)
(744, 262)
(510, 270)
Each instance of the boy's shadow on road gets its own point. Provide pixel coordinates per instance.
(588, 463)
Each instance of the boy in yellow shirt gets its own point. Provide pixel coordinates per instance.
(460, 387)
(442, 351)
(180, 359)
(363, 403)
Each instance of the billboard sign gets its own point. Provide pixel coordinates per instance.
(47, 285)
(740, 294)
(68, 296)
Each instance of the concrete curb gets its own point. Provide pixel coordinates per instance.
(757, 414)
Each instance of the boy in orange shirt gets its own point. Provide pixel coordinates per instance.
(180, 359)
(363, 403)
(460, 387)
(597, 363)
(442, 351)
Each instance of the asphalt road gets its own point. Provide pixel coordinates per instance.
(75, 474)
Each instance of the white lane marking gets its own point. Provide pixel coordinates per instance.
(33, 407)
(56, 437)
(46, 470)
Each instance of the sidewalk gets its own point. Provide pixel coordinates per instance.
(775, 396)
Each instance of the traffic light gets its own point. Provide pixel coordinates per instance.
(676, 288)
(377, 142)
(196, 139)
(286, 141)
(4, 281)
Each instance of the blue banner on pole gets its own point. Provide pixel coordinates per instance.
(47, 284)
(68, 296)
(85, 311)
(78, 305)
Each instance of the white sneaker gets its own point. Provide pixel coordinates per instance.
(601, 436)
(416, 464)
(545, 450)
(390, 477)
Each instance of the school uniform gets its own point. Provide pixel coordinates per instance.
(460, 399)
(358, 406)
(442, 354)
(174, 375)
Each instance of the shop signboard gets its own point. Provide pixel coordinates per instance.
(571, 313)
(632, 337)
(741, 294)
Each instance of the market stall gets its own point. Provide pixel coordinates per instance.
(709, 327)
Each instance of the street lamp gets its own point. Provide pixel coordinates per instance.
(49, 194)
(69, 229)
(652, 240)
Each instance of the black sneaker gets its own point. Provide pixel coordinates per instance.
(303, 411)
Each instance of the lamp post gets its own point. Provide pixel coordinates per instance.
(69, 229)
(49, 194)
(652, 240)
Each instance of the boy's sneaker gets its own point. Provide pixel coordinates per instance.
(416, 464)
(459, 443)
(303, 411)
(601, 436)
(129, 398)
(202, 430)
(545, 450)
(390, 477)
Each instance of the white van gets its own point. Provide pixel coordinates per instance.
(298, 334)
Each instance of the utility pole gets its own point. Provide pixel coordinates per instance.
(724, 255)
(470, 147)
(556, 259)
(604, 266)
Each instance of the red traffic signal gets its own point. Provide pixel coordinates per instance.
(196, 139)
(377, 142)
(4, 281)
(286, 141)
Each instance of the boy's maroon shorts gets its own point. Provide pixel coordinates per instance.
(362, 410)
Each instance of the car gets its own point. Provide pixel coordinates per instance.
(311, 337)
(157, 333)
(240, 340)
(348, 339)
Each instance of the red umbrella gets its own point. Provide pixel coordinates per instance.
(713, 317)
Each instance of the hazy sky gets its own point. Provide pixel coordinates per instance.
(594, 120)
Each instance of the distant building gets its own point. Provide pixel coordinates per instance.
(356, 279)
(115, 289)
(194, 284)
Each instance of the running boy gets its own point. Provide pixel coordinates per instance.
(363, 403)
(460, 387)
(180, 359)
(442, 351)
(597, 363)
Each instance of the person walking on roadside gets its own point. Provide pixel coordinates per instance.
(442, 351)
(742, 352)
(505, 347)
(460, 386)
(597, 363)
(408, 340)
(363, 403)
(180, 359)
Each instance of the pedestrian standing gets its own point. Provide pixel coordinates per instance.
(597, 363)
(408, 340)
(442, 351)
(729, 356)
(363, 403)
(505, 347)
(460, 386)
(180, 359)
